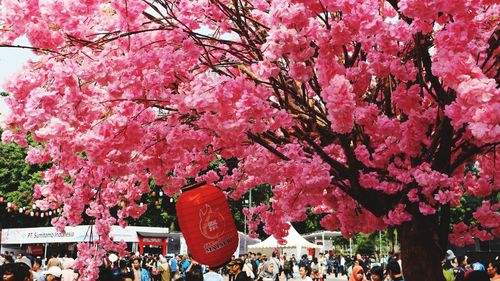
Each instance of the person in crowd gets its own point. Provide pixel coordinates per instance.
(164, 270)
(228, 271)
(377, 273)
(236, 267)
(357, 274)
(105, 270)
(364, 262)
(262, 270)
(397, 257)
(53, 273)
(304, 261)
(124, 268)
(258, 259)
(287, 267)
(173, 267)
(276, 266)
(304, 272)
(186, 262)
(254, 263)
(477, 275)
(37, 270)
(54, 261)
(247, 267)
(266, 269)
(25, 260)
(355, 262)
(152, 266)
(493, 270)
(195, 273)
(322, 266)
(212, 275)
(127, 276)
(114, 266)
(8, 259)
(315, 270)
(394, 270)
(342, 265)
(476, 265)
(448, 266)
(15, 272)
(459, 269)
(68, 273)
(140, 274)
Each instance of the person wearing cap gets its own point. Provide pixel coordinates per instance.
(68, 273)
(53, 273)
(448, 265)
(236, 268)
(25, 260)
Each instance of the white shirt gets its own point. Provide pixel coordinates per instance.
(307, 278)
(212, 276)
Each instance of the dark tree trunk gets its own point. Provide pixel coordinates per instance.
(421, 250)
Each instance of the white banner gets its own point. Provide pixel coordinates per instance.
(81, 233)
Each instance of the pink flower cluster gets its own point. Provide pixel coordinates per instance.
(326, 102)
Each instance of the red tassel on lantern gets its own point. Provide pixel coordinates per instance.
(207, 225)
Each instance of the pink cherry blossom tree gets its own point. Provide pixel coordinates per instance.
(364, 111)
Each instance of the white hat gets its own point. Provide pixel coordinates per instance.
(24, 260)
(112, 257)
(53, 270)
(450, 255)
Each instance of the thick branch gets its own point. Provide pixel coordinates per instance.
(262, 142)
(421, 43)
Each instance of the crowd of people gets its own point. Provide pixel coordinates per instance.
(248, 267)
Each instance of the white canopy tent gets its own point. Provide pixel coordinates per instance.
(295, 243)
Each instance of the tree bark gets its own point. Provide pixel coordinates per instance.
(421, 254)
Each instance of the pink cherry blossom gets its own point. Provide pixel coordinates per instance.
(329, 103)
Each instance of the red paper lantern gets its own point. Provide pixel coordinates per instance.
(207, 225)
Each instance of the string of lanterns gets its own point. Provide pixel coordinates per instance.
(35, 212)
(32, 212)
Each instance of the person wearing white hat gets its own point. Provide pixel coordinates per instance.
(68, 274)
(450, 255)
(24, 260)
(53, 273)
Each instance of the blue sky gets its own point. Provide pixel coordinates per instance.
(11, 60)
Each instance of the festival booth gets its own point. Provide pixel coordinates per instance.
(43, 241)
(295, 244)
(151, 242)
(323, 238)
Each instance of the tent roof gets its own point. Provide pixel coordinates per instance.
(322, 234)
(294, 239)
